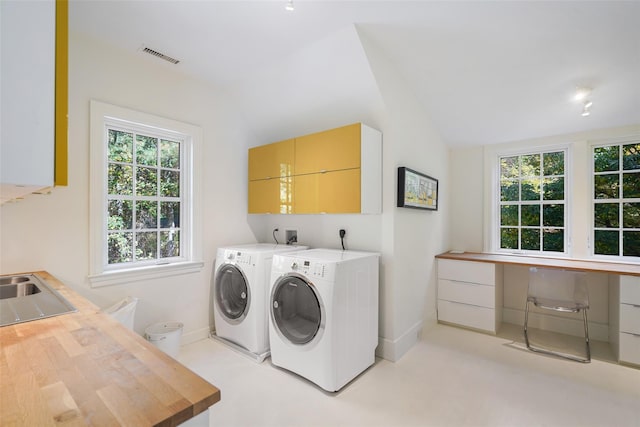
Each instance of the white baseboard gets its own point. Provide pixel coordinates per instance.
(194, 336)
(393, 350)
(597, 331)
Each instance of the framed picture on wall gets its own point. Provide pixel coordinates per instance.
(417, 190)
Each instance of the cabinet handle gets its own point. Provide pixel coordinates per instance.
(323, 171)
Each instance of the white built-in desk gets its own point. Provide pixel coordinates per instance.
(471, 286)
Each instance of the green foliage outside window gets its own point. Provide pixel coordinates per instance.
(143, 201)
(532, 206)
(616, 194)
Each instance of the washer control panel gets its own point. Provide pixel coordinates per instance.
(237, 257)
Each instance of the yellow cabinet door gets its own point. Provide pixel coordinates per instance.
(271, 196)
(331, 192)
(334, 149)
(271, 160)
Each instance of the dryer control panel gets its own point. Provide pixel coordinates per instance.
(312, 269)
(306, 267)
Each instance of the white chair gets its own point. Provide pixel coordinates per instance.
(558, 290)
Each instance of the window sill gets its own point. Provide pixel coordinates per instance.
(120, 277)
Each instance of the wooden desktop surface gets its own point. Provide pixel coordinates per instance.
(530, 261)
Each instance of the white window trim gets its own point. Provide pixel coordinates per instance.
(601, 143)
(492, 228)
(98, 274)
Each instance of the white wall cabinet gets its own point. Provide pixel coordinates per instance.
(470, 294)
(28, 86)
(629, 344)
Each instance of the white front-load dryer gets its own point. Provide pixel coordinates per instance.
(240, 295)
(323, 322)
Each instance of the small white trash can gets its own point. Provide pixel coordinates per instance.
(166, 336)
(124, 311)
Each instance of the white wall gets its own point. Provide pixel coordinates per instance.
(407, 239)
(410, 238)
(471, 215)
(52, 232)
(471, 187)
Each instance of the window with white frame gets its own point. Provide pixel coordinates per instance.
(144, 195)
(532, 209)
(616, 200)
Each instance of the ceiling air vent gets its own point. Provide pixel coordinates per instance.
(160, 55)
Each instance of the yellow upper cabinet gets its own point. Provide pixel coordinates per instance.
(62, 93)
(335, 171)
(327, 193)
(273, 196)
(334, 149)
(271, 160)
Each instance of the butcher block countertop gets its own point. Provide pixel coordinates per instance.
(85, 368)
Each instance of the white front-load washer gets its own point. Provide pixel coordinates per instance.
(323, 322)
(240, 295)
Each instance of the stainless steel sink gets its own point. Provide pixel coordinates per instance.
(26, 297)
(13, 290)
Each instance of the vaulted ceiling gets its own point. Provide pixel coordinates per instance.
(485, 71)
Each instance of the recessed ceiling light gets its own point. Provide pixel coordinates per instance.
(582, 93)
(586, 108)
(289, 6)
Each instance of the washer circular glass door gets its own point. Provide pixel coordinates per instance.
(296, 310)
(232, 293)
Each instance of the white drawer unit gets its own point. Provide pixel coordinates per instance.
(629, 340)
(470, 294)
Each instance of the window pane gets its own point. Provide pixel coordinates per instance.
(606, 158)
(509, 215)
(120, 146)
(554, 189)
(553, 215)
(631, 156)
(509, 167)
(530, 165)
(606, 215)
(120, 180)
(607, 242)
(170, 183)
(553, 240)
(509, 191)
(606, 186)
(531, 189)
(554, 163)
(169, 154)
(509, 238)
(169, 214)
(147, 245)
(631, 215)
(146, 182)
(169, 244)
(146, 150)
(631, 243)
(120, 215)
(530, 239)
(531, 215)
(630, 185)
(146, 214)
(120, 247)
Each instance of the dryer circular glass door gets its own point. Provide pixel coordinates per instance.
(232, 293)
(296, 310)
